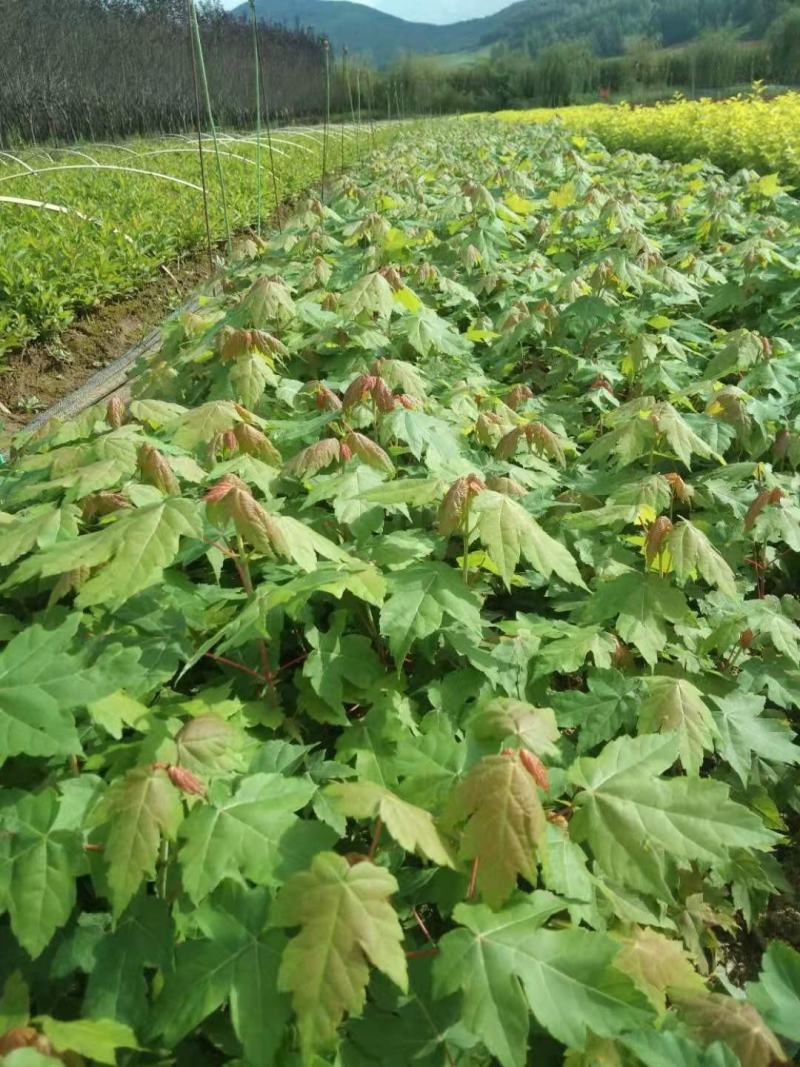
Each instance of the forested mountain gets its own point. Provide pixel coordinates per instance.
(528, 24)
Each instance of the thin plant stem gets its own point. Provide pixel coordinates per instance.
(371, 107)
(352, 105)
(235, 665)
(327, 115)
(292, 662)
(204, 78)
(200, 139)
(421, 924)
(268, 126)
(344, 72)
(473, 879)
(257, 72)
(247, 584)
(465, 550)
(358, 107)
(376, 836)
(163, 869)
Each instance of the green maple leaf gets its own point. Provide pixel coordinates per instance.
(418, 492)
(772, 617)
(639, 424)
(370, 296)
(627, 442)
(776, 994)
(340, 662)
(135, 549)
(741, 350)
(421, 432)
(774, 676)
(673, 705)
(267, 300)
(29, 1057)
(681, 438)
(306, 545)
(249, 377)
(15, 1003)
(117, 987)
(715, 1017)
(39, 526)
(658, 965)
(238, 960)
(507, 966)
(565, 870)
(397, 1030)
(419, 598)
(569, 653)
(432, 763)
(41, 680)
(346, 922)
(157, 414)
(198, 425)
(745, 732)
(97, 1039)
(504, 824)
(641, 604)
(637, 823)
(504, 719)
(663, 1048)
(607, 709)
(138, 811)
(104, 474)
(426, 332)
(508, 533)
(239, 835)
(208, 744)
(39, 863)
(477, 959)
(349, 503)
(412, 828)
(691, 551)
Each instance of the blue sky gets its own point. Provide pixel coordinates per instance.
(441, 11)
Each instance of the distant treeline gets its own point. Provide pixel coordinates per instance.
(104, 69)
(606, 25)
(101, 69)
(570, 72)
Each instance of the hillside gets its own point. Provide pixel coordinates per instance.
(384, 37)
(527, 24)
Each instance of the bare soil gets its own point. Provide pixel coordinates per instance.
(34, 378)
(40, 374)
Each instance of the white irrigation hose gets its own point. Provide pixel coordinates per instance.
(116, 147)
(247, 140)
(45, 206)
(302, 147)
(299, 133)
(16, 159)
(103, 166)
(193, 151)
(76, 152)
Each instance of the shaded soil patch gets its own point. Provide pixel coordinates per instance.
(40, 374)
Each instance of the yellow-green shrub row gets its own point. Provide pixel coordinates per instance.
(742, 132)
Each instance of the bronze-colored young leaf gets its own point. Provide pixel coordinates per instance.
(502, 821)
(346, 923)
